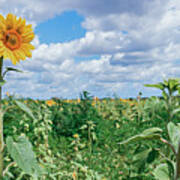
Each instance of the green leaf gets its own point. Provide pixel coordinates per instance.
(148, 134)
(158, 86)
(171, 168)
(140, 137)
(153, 154)
(174, 134)
(142, 155)
(166, 83)
(161, 172)
(23, 107)
(22, 153)
(173, 84)
(6, 178)
(164, 94)
(152, 131)
(175, 111)
(11, 69)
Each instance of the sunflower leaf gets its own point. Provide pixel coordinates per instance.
(148, 134)
(22, 153)
(140, 137)
(161, 172)
(25, 108)
(11, 69)
(158, 86)
(174, 134)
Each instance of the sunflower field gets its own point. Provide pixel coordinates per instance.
(91, 138)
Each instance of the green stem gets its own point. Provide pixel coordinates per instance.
(1, 124)
(177, 176)
(89, 137)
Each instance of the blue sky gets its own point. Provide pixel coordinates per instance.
(104, 47)
(62, 28)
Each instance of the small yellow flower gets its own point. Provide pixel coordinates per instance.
(50, 102)
(104, 101)
(7, 94)
(96, 98)
(76, 136)
(6, 103)
(78, 100)
(74, 175)
(93, 103)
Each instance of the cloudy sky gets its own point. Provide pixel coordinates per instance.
(106, 47)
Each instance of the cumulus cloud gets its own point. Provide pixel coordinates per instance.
(137, 41)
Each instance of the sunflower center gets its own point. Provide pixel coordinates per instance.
(12, 39)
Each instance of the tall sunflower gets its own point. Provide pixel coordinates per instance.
(15, 38)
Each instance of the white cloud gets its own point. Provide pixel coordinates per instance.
(138, 42)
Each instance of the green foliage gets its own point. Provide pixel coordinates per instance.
(148, 134)
(174, 134)
(10, 69)
(69, 119)
(22, 153)
(98, 125)
(24, 108)
(169, 88)
(161, 172)
(171, 85)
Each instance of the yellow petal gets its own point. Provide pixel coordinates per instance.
(26, 51)
(1, 52)
(1, 36)
(28, 46)
(20, 54)
(27, 30)
(2, 23)
(28, 38)
(6, 53)
(2, 19)
(10, 21)
(13, 58)
(20, 25)
(2, 27)
(1, 49)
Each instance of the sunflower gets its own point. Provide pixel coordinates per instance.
(50, 102)
(15, 38)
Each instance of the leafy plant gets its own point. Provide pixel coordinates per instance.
(22, 153)
(162, 171)
(68, 119)
(169, 88)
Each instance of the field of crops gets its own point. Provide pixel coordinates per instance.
(86, 138)
(79, 139)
